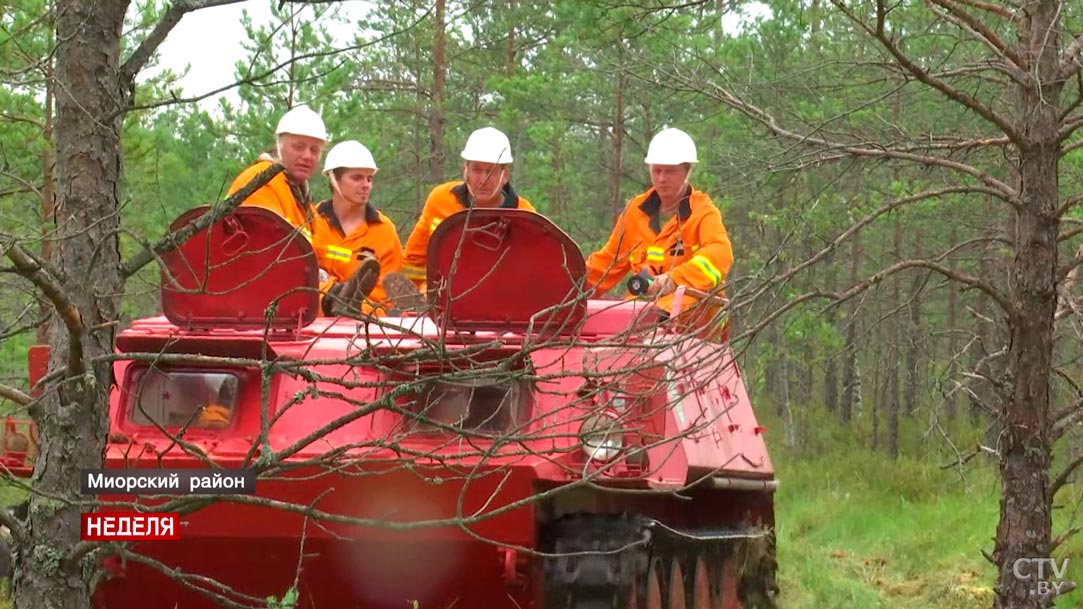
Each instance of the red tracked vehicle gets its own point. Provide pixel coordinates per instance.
(515, 445)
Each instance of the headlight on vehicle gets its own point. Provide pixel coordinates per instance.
(618, 401)
(601, 437)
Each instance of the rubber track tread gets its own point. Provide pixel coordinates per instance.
(598, 555)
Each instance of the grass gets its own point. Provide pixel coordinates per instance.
(857, 530)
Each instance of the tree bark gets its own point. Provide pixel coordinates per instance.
(831, 367)
(890, 399)
(439, 81)
(850, 379)
(913, 347)
(831, 383)
(616, 174)
(560, 189)
(72, 415)
(781, 366)
(1025, 516)
(984, 343)
(419, 164)
(48, 165)
(775, 372)
(510, 61)
(952, 405)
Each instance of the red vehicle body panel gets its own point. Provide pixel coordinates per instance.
(504, 279)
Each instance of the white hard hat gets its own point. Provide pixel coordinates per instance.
(488, 145)
(302, 120)
(350, 154)
(671, 147)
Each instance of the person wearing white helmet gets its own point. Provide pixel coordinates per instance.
(672, 235)
(355, 243)
(486, 182)
(300, 138)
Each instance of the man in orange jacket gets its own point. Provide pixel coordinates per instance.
(299, 142)
(355, 243)
(671, 235)
(485, 183)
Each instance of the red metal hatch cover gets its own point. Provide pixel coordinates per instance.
(505, 270)
(228, 275)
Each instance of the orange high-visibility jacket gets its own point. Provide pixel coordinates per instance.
(693, 248)
(443, 201)
(337, 252)
(277, 196)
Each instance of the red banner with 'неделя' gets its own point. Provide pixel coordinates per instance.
(130, 526)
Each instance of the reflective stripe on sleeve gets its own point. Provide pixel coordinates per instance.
(708, 269)
(413, 272)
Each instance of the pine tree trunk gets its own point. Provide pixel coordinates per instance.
(831, 365)
(984, 344)
(952, 405)
(913, 346)
(48, 191)
(1024, 530)
(881, 338)
(849, 372)
(616, 173)
(511, 62)
(439, 81)
(776, 378)
(72, 415)
(891, 390)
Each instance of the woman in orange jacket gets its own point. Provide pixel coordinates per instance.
(672, 235)
(356, 244)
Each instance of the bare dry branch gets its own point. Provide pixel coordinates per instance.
(1071, 107)
(1056, 543)
(1063, 477)
(217, 212)
(15, 528)
(992, 8)
(1071, 148)
(954, 275)
(862, 286)
(172, 17)
(1068, 204)
(999, 188)
(1069, 266)
(22, 119)
(856, 226)
(14, 191)
(982, 32)
(1068, 302)
(22, 181)
(1065, 420)
(15, 395)
(253, 78)
(926, 77)
(1069, 62)
(38, 273)
(212, 588)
